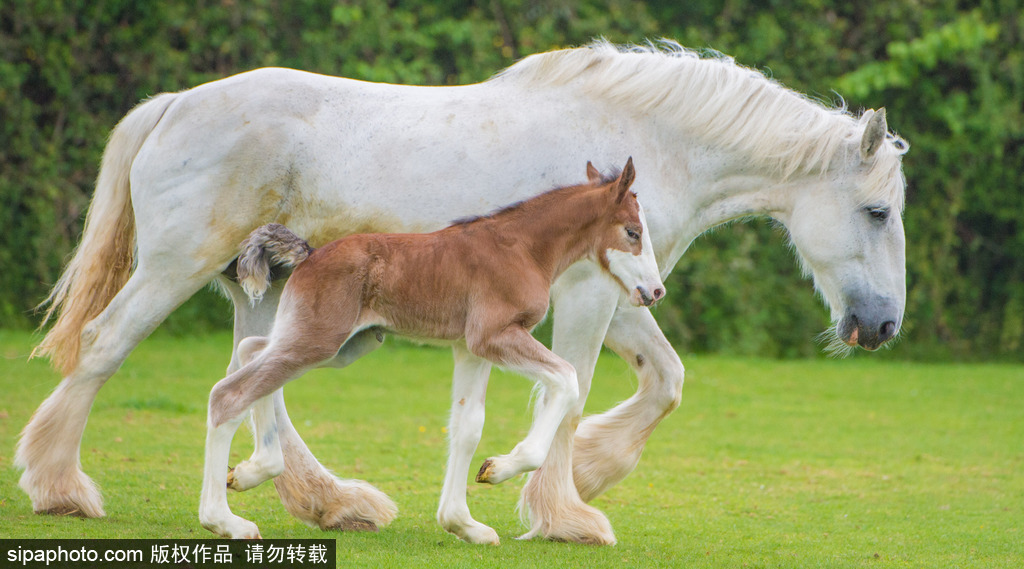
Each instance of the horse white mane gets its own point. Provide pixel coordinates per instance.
(714, 99)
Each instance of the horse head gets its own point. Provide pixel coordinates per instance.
(848, 230)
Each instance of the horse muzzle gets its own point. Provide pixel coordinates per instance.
(870, 325)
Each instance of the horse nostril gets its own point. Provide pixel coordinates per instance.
(658, 293)
(887, 331)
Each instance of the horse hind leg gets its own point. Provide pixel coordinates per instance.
(311, 492)
(267, 460)
(49, 448)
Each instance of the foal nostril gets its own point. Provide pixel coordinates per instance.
(888, 330)
(645, 297)
(658, 293)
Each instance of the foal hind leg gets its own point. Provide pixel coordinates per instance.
(307, 490)
(469, 389)
(230, 401)
(515, 349)
(49, 449)
(267, 460)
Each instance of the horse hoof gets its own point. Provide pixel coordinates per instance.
(66, 510)
(351, 524)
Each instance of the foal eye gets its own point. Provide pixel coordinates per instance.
(632, 234)
(878, 213)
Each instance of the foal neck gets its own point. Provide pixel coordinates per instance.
(557, 228)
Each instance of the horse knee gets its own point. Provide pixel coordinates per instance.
(671, 374)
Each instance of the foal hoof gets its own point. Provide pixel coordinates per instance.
(486, 471)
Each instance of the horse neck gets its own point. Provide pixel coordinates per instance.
(558, 228)
(715, 188)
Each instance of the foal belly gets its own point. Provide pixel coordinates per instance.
(422, 326)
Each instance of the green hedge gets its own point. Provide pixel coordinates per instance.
(951, 80)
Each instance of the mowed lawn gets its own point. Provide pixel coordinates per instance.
(851, 463)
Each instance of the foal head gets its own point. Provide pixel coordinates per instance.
(624, 249)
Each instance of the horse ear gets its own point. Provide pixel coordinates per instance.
(874, 133)
(625, 179)
(592, 174)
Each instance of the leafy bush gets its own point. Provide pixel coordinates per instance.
(952, 81)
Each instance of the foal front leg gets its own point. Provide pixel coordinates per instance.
(469, 390)
(515, 349)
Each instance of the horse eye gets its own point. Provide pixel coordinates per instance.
(632, 234)
(879, 213)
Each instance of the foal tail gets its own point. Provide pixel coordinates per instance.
(272, 244)
(105, 255)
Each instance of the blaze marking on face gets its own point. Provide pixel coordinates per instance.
(637, 272)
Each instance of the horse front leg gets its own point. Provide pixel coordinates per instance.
(307, 490)
(550, 504)
(608, 445)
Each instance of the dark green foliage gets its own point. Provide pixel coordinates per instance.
(951, 78)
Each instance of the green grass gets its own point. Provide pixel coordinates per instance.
(854, 463)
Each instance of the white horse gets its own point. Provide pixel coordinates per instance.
(186, 176)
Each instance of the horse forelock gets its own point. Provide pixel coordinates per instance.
(712, 98)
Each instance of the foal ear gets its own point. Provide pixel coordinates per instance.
(874, 133)
(625, 179)
(592, 174)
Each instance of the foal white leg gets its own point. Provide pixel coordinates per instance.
(307, 490)
(608, 446)
(214, 512)
(230, 401)
(49, 447)
(267, 460)
(469, 391)
(550, 504)
(521, 353)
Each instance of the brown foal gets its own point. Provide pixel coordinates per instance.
(481, 284)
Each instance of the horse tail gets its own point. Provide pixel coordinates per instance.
(271, 244)
(104, 258)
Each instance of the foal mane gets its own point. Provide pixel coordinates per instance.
(552, 194)
(716, 100)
